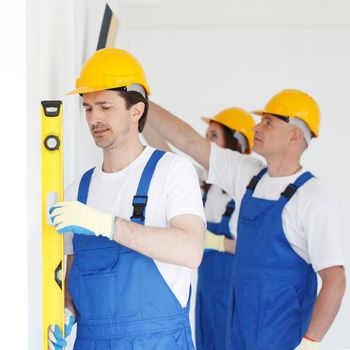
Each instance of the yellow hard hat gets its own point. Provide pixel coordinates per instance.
(110, 68)
(236, 119)
(295, 103)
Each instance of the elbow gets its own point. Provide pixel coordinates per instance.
(335, 279)
(196, 259)
(340, 287)
(196, 253)
(342, 283)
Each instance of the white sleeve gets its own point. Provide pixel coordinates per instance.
(324, 237)
(70, 194)
(201, 173)
(231, 170)
(183, 194)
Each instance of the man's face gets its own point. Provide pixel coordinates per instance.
(271, 136)
(109, 121)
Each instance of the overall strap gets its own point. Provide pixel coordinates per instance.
(290, 190)
(204, 198)
(286, 195)
(84, 185)
(254, 181)
(226, 216)
(140, 199)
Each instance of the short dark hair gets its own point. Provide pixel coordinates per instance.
(133, 97)
(230, 141)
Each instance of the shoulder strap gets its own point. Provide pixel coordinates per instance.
(140, 199)
(230, 208)
(204, 198)
(84, 185)
(254, 181)
(286, 195)
(290, 190)
(225, 219)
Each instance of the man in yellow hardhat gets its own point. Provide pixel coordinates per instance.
(288, 227)
(231, 128)
(137, 220)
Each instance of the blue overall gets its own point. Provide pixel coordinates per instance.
(274, 289)
(122, 300)
(214, 279)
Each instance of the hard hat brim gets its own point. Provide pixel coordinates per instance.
(260, 112)
(84, 90)
(207, 120)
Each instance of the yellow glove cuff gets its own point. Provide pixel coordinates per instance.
(308, 345)
(215, 242)
(106, 225)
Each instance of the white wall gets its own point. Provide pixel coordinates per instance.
(200, 57)
(13, 216)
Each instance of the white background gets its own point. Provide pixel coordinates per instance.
(13, 216)
(200, 57)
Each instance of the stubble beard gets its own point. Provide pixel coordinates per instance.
(112, 141)
(105, 144)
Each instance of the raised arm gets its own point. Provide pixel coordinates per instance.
(179, 134)
(154, 139)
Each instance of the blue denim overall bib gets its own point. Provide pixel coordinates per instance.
(274, 289)
(122, 300)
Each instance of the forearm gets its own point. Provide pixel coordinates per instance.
(154, 139)
(170, 245)
(327, 303)
(230, 245)
(220, 243)
(182, 243)
(179, 134)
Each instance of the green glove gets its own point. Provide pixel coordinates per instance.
(82, 219)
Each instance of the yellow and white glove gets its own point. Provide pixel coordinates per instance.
(82, 219)
(214, 242)
(307, 344)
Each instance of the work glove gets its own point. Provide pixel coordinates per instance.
(307, 344)
(56, 340)
(79, 218)
(214, 242)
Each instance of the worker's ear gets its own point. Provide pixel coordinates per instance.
(297, 136)
(137, 111)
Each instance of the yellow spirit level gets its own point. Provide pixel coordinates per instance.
(52, 192)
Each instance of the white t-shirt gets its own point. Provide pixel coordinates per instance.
(310, 218)
(215, 205)
(174, 190)
(216, 202)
